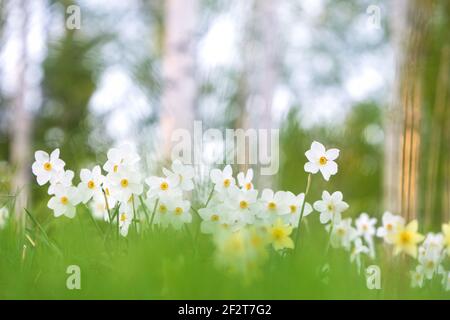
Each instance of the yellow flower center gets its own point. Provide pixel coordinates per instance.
(226, 183)
(277, 233)
(124, 183)
(389, 227)
(91, 184)
(256, 241)
(164, 186)
(323, 161)
(340, 232)
(243, 204)
(272, 205)
(116, 168)
(64, 200)
(162, 208)
(248, 186)
(215, 218)
(330, 207)
(47, 166)
(293, 208)
(123, 217)
(405, 237)
(430, 264)
(178, 211)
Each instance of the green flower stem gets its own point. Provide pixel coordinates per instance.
(308, 185)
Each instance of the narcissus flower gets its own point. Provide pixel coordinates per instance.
(295, 204)
(46, 167)
(245, 180)
(417, 277)
(185, 174)
(406, 239)
(279, 234)
(242, 204)
(223, 180)
(330, 207)
(320, 159)
(215, 217)
(125, 184)
(63, 178)
(64, 201)
(124, 157)
(342, 234)
(365, 226)
(272, 205)
(179, 212)
(125, 217)
(162, 187)
(91, 182)
(390, 224)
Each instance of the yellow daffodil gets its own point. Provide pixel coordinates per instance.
(279, 234)
(406, 238)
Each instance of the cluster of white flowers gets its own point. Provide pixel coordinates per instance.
(243, 222)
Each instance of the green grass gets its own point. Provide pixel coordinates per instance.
(179, 265)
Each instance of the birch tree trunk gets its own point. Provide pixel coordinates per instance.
(21, 126)
(179, 92)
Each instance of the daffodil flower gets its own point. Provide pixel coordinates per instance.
(279, 234)
(330, 207)
(390, 224)
(223, 180)
(245, 180)
(406, 238)
(64, 201)
(295, 203)
(91, 182)
(320, 159)
(63, 178)
(46, 167)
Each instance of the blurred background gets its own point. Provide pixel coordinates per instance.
(370, 77)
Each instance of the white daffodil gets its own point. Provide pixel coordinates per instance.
(242, 205)
(91, 182)
(107, 189)
(179, 212)
(295, 204)
(358, 249)
(125, 184)
(272, 205)
(185, 174)
(63, 178)
(390, 225)
(320, 159)
(215, 217)
(429, 261)
(4, 215)
(125, 217)
(46, 167)
(98, 207)
(434, 242)
(223, 180)
(124, 157)
(64, 201)
(417, 277)
(342, 234)
(365, 226)
(330, 207)
(162, 206)
(163, 187)
(245, 181)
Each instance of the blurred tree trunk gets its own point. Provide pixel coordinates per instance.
(179, 92)
(261, 54)
(21, 126)
(416, 156)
